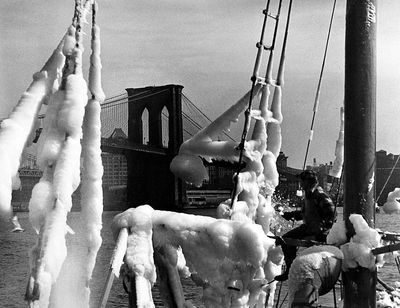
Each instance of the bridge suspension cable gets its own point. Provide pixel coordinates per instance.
(121, 99)
(191, 104)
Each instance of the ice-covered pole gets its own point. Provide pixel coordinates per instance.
(115, 264)
(359, 138)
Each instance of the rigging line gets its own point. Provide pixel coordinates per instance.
(268, 76)
(279, 79)
(338, 193)
(317, 95)
(388, 178)
(254, 77)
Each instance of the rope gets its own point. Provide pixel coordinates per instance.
(279, 79)
(279, 294)
(397, 260)
(268, 75)
(388, 178)
(283, 301)
(317, 95)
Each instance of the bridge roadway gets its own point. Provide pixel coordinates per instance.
(113, 146)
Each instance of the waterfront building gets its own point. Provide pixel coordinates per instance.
(213, 191)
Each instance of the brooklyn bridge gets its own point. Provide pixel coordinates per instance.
(142, 130)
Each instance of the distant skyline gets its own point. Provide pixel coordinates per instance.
(209, 47)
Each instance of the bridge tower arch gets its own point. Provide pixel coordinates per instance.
(149, 179)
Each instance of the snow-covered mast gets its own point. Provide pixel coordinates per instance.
(360, 138)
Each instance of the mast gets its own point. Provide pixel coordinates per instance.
(359, 144)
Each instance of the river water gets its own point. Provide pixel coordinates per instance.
(14, 264)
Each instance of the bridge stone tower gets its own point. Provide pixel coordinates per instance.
(150, 180)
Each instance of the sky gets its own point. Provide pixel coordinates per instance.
(208, 46)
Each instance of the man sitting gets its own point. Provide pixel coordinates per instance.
(317, 213)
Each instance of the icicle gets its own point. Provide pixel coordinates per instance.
(62, 172)
(92, 171)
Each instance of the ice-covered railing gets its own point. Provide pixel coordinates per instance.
(59, 156)
(231, 260)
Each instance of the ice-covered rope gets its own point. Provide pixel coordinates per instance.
(188, 166)
(268, 76)
(254, 80)
(16, 129)
(317, 94)
(92, 171)
(281, 68)
(62, 171)
(266, 134)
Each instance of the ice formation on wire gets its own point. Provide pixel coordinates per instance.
(256, 182)
(92, 168)
(188, 166)
(16, 129)
(59, 155)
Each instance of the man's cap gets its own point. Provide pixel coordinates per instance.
(307, 175)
